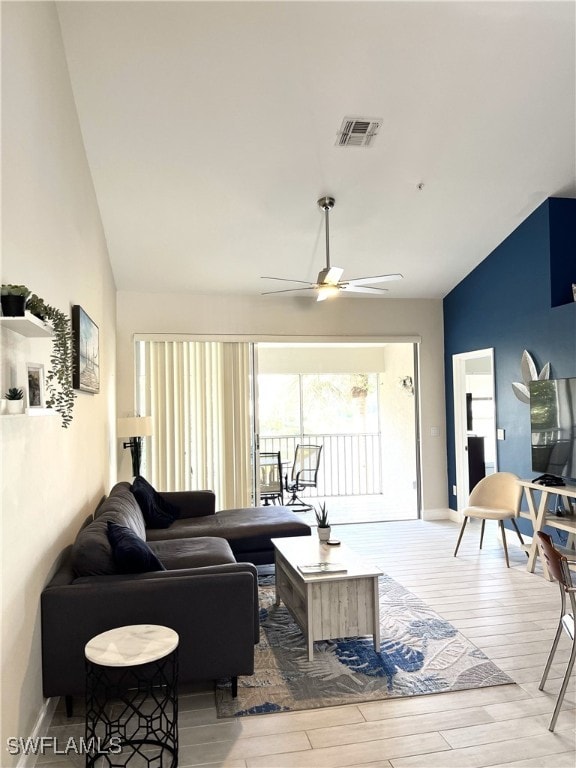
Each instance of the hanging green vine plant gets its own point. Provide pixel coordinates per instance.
(59, 377)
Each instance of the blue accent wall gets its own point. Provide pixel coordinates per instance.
(506, 303)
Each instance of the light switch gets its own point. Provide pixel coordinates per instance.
(501, 434)
(434, 431)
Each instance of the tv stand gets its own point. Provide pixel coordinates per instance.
(549, 480)
(539, 516)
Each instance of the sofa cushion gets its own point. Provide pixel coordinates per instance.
(121, 507)
(91, 552)
(130, 553)
(157, 512)
(193, 553)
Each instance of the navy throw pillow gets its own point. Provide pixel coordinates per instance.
(157, 512)
(131, 554)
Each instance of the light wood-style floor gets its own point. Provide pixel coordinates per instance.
(360, 509)
(510, 614)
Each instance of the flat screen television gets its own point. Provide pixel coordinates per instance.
(553, 426)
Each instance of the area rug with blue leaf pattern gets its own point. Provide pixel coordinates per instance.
(420, 653)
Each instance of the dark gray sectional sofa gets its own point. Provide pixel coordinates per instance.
(208, 592)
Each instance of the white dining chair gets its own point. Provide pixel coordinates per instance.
(495, 497)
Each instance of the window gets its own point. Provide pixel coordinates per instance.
(317, 404)
(279, 404)
(339, 403)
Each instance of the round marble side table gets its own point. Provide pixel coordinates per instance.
(131, 697)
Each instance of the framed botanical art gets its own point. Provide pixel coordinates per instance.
(86, 352)
(35, 377)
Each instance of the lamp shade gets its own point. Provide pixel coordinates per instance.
(134, 426)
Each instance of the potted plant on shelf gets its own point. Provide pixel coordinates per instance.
(13, 300)
(322, 521)
(15, 400)
(59, 377)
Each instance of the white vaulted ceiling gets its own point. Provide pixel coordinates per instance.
(210, 132)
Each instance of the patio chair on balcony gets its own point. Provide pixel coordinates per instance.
(271, 485)
(304, 474)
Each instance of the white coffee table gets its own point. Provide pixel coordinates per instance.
(327, 605)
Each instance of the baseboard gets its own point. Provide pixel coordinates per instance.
(40, 729)
(436, 514)
(454, 515)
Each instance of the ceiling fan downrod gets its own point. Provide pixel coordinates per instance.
(327, 203)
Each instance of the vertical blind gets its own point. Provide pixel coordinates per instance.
(198, 394)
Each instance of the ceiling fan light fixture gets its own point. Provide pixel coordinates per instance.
(327, 291)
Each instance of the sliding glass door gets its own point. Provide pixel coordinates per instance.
(216, 405)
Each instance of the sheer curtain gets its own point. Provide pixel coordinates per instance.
(198, 394)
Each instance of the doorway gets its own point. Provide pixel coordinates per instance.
(357, 401)
(474, 420)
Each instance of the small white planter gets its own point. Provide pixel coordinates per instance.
(14, 406)
(324, 533)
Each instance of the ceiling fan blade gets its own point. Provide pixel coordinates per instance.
(360, 289)
(285, 279)
(375, 279)
(289, 290)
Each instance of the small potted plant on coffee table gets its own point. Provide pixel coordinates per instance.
(322, 521)
(14, 400)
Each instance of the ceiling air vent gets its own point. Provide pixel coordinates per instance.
(358, 131)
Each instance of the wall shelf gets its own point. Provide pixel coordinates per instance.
(30, 412)
(29, 325)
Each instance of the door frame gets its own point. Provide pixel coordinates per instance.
(460, 428)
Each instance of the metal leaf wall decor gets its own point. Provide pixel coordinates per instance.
(529, 373)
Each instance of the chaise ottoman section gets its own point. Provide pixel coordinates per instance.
(249, 531)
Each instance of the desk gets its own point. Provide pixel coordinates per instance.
(538, 514)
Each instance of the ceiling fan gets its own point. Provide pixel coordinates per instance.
(328, 282)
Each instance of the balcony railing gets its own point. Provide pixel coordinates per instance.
(350, 465)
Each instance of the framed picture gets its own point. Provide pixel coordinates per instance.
(86, 353)
(35, 377)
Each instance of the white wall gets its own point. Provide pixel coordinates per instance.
(399, 450)
(267, 318)
(326, 358)
(52, 241)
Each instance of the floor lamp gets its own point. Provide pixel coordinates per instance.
(134, 427)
